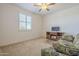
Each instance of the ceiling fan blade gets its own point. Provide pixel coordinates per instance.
(40, 10)
(36, 5)
(47, 9)
(51, 3)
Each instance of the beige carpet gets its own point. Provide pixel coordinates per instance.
(27, 48)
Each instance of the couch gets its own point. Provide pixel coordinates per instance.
(68, 45)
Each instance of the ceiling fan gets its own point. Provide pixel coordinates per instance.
(44, 6)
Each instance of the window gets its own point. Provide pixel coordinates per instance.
(25, 22)
(29, 23)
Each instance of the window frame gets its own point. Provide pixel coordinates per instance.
(30, 24)
(24, 22)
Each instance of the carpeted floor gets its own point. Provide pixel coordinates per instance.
(27, 48)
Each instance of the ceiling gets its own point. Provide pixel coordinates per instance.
(54, 8)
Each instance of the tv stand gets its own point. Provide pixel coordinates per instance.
(54, 35)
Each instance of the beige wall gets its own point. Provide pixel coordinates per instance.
(1, 24)
(0, 51)
(9, 25)
(67, 20)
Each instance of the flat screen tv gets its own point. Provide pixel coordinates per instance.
(55, 28)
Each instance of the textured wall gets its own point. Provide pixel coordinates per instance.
(9, 31)
(67, 20)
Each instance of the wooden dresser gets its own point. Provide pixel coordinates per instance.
(54, 35)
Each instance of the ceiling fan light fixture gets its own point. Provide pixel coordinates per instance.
(44, 6)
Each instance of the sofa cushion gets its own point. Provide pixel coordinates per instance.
(69, 38)
(64, 42)
(76, 41)
(60, 48)
(68, 50)
(49, 52)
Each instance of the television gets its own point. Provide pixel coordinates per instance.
(55, 28)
